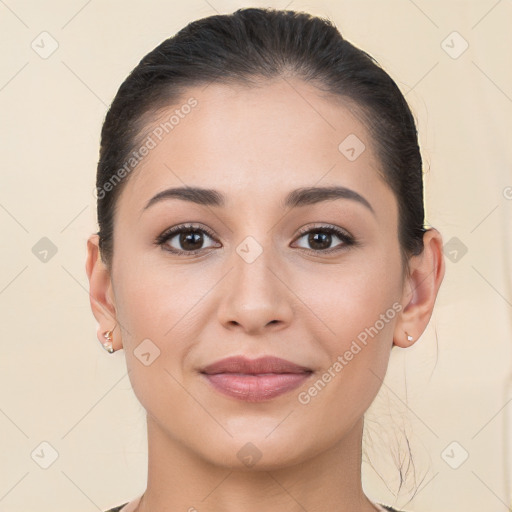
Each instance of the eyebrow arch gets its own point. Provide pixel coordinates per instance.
(295, 198)
(203, 196)
(312, 195)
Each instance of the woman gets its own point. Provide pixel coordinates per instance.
(261, 249)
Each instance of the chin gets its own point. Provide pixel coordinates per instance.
(257, 453)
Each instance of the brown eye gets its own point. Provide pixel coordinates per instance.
(190, 240)
(320, 239)
(185, 239)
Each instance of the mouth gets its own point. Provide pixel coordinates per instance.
(255, 380)
(262, 365)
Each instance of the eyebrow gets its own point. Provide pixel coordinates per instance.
(295, 198)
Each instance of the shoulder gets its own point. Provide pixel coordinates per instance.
(116, 509)
(389, 509)
(384, 507)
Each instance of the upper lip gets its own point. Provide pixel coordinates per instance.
(266, 364)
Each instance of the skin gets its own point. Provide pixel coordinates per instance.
(255, 145)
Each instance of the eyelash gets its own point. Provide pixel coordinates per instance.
(347, 239)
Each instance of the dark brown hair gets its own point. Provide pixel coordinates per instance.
(252, 45)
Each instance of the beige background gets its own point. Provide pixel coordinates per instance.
(60, 387)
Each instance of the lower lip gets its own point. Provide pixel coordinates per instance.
(256, 388)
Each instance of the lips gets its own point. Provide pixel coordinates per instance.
(255, 380)
(267, 364)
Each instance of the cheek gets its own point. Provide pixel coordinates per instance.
(152, 299)
(154, 318)
(157, 306)
(356, 296)
(359, 304)
(360, 307)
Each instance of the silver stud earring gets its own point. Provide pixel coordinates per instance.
(409, 338)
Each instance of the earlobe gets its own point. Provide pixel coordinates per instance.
(100, 289)
(420, 290)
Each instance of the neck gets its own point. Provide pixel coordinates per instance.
(180, 479)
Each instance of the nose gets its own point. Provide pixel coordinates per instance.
(254, 296)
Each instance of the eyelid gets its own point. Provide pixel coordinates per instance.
(346, 238)
(323, 226)
(176, 230)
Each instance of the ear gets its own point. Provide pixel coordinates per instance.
(420, 289)
(101, 293)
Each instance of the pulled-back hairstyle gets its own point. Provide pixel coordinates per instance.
(248, 47)
(252, 46)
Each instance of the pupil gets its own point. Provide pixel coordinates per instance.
(324, 242)
(190, 238)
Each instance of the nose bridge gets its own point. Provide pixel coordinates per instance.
(252, 278)
(253, 296)
(252, 262)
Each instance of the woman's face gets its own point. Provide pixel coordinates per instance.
(266, 278)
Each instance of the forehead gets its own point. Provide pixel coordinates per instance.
(257, 142)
